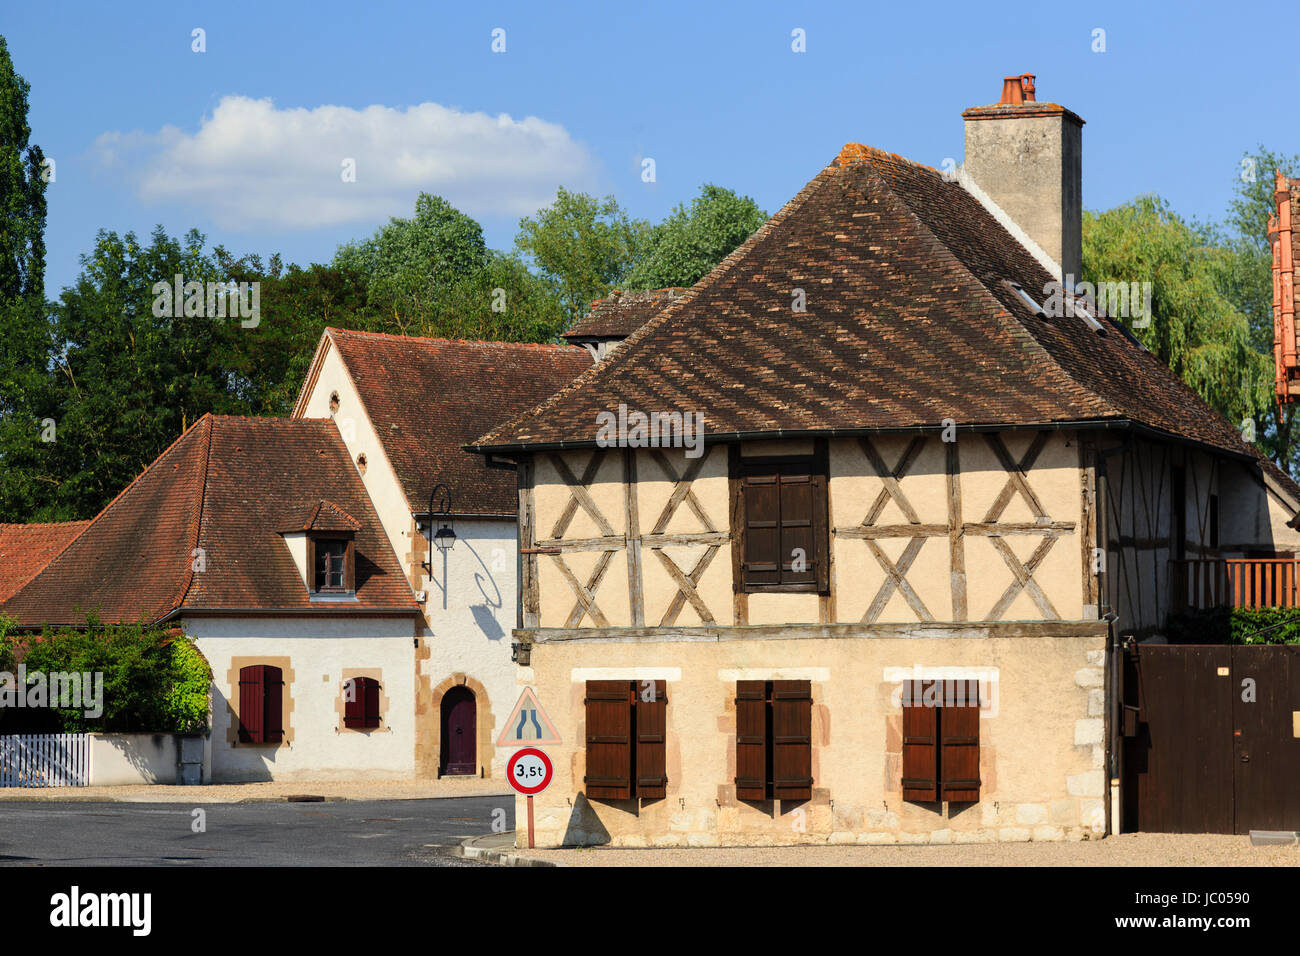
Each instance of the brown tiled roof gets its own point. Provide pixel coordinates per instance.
(621, 314)
(326, 516)
(911, 318)
(27, 548)
(428, 397)
(227, 487)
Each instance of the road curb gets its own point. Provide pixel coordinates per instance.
(497, 848)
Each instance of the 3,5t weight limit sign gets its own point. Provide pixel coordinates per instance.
(529, 771)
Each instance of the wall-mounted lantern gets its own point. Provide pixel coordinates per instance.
(444, 538)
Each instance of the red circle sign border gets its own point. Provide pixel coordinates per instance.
(546, 781)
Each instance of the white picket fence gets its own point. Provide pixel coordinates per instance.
(44, 760)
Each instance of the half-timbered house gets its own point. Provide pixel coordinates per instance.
(882, 605)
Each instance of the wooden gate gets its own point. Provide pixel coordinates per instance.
(44, 760)
(1211, 738)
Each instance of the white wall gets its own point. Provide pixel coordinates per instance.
(319, 650)
(359, 436)
(476, 580)
(123, 759)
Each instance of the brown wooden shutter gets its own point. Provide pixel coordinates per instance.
(796, 523)
(273, 704)
(821, 552)
(651, 739)
(609, 739)
(920, 736)
(792, 740)
(959, 736)
(751, 740)
(251, 697)
(762, 508)
(371, 702)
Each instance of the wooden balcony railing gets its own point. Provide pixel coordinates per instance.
(1237, 582)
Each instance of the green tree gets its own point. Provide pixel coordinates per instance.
(22, 191)
(583, 246)
(408, 261)
(1195, 328)
(687, 245)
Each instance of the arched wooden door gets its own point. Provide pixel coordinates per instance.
(459, 732)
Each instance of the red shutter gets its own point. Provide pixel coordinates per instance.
(371, 702)
(751, 740)
(920, 734)
(354, 702)
(792, 740)
(651, 739)
(609, 739)
(273, 706)
(762, 529)
(959, 736)
(251, 695)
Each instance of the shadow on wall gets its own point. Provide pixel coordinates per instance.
(484, 614)
(585, 828)
(221, 744)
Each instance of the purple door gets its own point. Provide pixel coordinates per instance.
(459, 749)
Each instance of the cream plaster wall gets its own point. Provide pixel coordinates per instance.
(857, 576)
(319, 650)
(1040, 741)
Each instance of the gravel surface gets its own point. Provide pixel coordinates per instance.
(268, 791)
(1132, 849)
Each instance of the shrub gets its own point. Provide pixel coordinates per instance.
(154, 679)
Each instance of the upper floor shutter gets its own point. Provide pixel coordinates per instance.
(751, 740)
(651, 739)
(959, 738)
(920, 742)
(762, 510)
(792, 740)
(252, 694)
(609, 706)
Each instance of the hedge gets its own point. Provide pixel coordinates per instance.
(154, 679)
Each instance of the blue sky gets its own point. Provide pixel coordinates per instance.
(246, 140)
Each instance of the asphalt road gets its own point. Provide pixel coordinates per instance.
(344, 833)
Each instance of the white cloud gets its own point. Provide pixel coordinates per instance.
(252, 166)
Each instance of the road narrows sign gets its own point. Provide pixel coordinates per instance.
(528, 725)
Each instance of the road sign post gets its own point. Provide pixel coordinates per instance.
(530, 772)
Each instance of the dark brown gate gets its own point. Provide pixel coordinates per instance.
(459, 724)
(1199, 755)
(1266, 749)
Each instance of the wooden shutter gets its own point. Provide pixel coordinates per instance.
(762, 510)
(354, 702)
(609, 739)
(273, 704)
(920, 736)
(251, 697)
(371, 702)
(796, 524)
(959, 736)
(651, 739)
(751, 740)
(792, 740)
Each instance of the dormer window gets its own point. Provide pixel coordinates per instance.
(334, 561)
